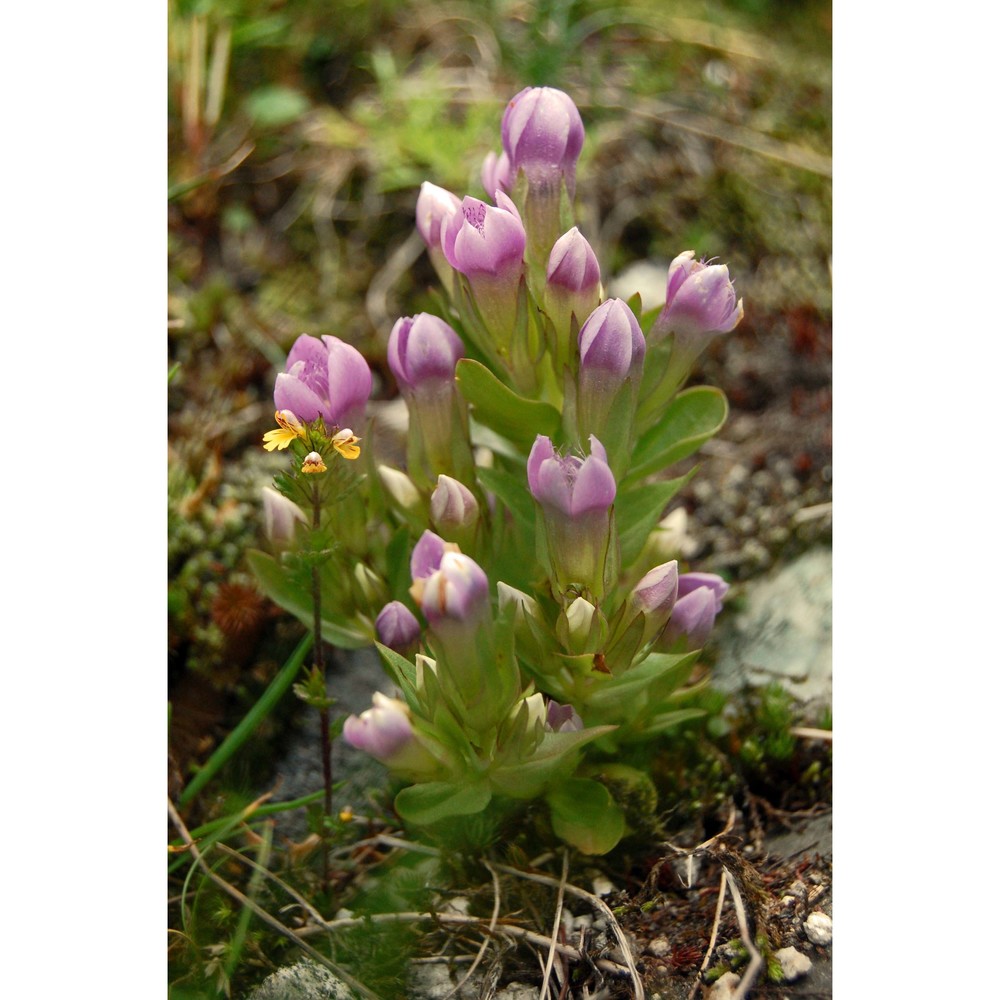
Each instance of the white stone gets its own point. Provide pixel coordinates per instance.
(819, 928)
(602, 886)
(724, 986)
(659, 947)
(794, 964)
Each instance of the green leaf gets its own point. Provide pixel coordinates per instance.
(501, 409)
(512, 492)
(437, 800)
(689, 420)
(403, 672)
(528, 777)
(668, 720)
(274, 106)
(637, 511)
(585, 815)
(658, 675)
(278, 585)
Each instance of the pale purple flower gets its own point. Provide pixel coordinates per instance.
(542, 134)
(687, 582)
(657, 591)
(482, 240)
(576, 496)
(423, 349)
(427, 555)
(701, 299)
(571, 485)
(611, 347)
(397, 627)
(562, 718)
(453, 507)
(699, 601)
(457, 590)
(496, 174)
(324, 377)
(573, 265)
(281, 515)
(384, 730)
(435, 207)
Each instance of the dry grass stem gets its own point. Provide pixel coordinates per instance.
(714, 935)
(756, 961)
(272, 922)
(555, 928)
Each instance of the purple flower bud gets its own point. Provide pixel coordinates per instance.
(563, 718)
(611, 352)
(692, 618)
(423, 349)
(657, 591)
(576, 497)
(688, 582)
(701, 299)
(324, 378)
(611, 346)
(454, 509)
(435, 207)
(496, 174)
(570, 485)
(280, 517)
(573, 265)
(427, 555)
(382, 730)
(457, 590)
(542, 134)
(397, 627)
(483, 240)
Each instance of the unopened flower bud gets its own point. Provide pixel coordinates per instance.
(496, 174)
(542, 135)
(435, 207)
(572, 289)
(422, 353)
(576, 627)
(576, 495)
(655, 595)
(385, 732)
(458, 589)
(612, 349)
(482, 241)
(699, 601)
(402, 493)
(280, 518)
(454, 511)
(701, 299)
(397, 627)
(563, 718)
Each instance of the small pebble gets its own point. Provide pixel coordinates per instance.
(819, 928)
(659, 947)
(794, 964)
(724, 987)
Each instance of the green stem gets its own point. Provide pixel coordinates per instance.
(324, 712)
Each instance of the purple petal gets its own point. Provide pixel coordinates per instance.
(541, 451)
(292, 394)
(595, 485)
(427, 555)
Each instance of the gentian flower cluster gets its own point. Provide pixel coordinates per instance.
(516, 573)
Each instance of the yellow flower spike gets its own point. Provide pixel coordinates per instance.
(346, 814)
(346, 443)
(287, 431)
(313, 463)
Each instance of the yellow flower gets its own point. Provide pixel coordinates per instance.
(287, 431)
(346, 443)
(313, 463)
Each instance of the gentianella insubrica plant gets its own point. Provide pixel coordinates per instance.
(513, 574)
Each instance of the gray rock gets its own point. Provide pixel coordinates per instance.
(305, 981)
(659, 947)
(783, 633)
